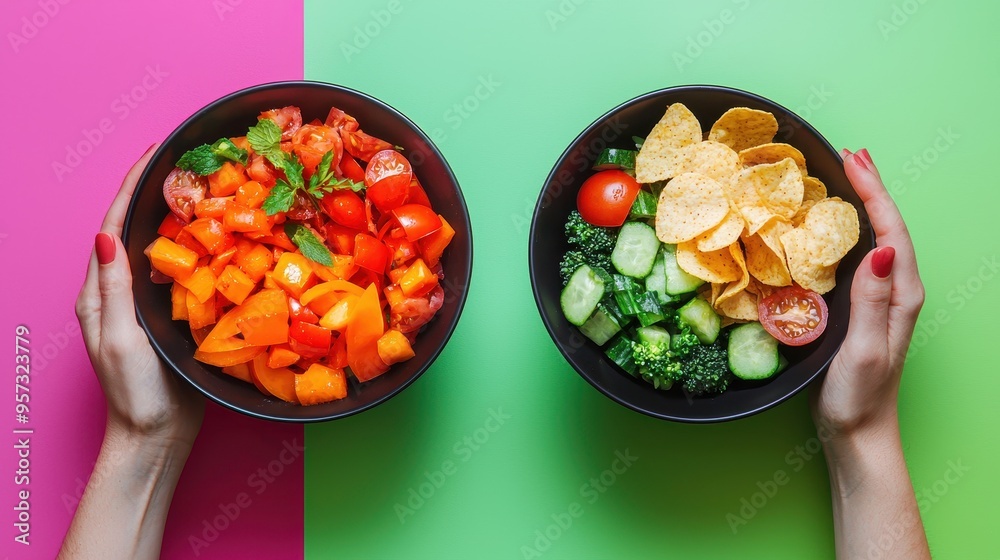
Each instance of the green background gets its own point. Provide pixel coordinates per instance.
(922, 85)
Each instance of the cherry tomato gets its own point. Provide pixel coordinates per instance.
(417, 220)
(183, 190)
(341, 120)
(303, 209)
(350, 169)
(288, 119)
(417, 194)
(388, 179)
(412, 313)
(345, 208)
(606, 198)
(261, 171)
(793, 315)
(362, 146)
(370, 253)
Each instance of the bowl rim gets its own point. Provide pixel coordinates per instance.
(551, 177)
(434, 150)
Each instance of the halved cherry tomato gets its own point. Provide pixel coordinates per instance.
(261, 171)
(345, 208)
(341, 120)
(303, 209)
(417, 220)
(370, 253)
(312, 142)
(413, 313)
(349, 168)
(183, 190)
(362, 146)
(288, 119)
(417, 194)
(606, 198)
(388, 178)
(793, 315)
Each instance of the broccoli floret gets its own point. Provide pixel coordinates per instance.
(592, 246)
(657, 364)
(705, 369)
(683, 342)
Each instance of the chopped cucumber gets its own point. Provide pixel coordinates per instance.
(627, 304)
(653, 335)
(753, 352)
(610, 304)
(620, 352)
(782, 363)
(644, 206)
(581, 295)
(704, 322)
(678, 281)
(650, 311)
(623, 284)
(615, 158)
(601, 326)
(656, 281)
(636, 249)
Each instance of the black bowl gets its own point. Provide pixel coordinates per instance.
(547, 244)
(231, 115)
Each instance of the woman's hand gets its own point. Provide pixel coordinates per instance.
(874, 509)
(145, 400)
(153, 418)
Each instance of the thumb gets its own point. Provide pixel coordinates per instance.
(115, 281)
(871, 292)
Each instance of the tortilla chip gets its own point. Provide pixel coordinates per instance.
(772, 153)
(742, 306)
(812, 189)
(778, 185)
(712, 159)
(676, 129)
(804, 265)
(716, 266)
(738, 286)
(689, 205)
(741, 128)
(722, 235)
(835, 229)
(764, 265)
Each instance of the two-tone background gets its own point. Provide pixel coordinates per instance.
(500, 450)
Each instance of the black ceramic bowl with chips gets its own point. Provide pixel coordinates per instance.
(547, 244)
(230, 116)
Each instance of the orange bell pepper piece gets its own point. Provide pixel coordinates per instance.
(393, 347)
(418, 279)
(433, 246)
(339, 315)
(281, 356)
(342, 269)
(263, 318)
(178, 302)
(201, 283)
(245, 220)
(235, 284)
(279, 382)
(171, 226)
(365, 327)
(251, 194)
(200, 313)
(210, 233)
(230, 358)
(393, 295)
(212, 207)
(172, 259)
(294, 273)
(227, 179)
(221, 261)
(254, 261)
(320, 384)
(239, 371)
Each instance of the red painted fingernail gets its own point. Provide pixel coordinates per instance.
(860, 162)
(845, 153)
(105, 246)
(882, 261)
(868, 157)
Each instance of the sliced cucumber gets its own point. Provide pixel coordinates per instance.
(620, 352)
(678, 281)
(644, 206)
(782, 363)
(615, 158)
(753, 353)
(610, 304)
(656, 281)
(601, 326)
(653, 335)
(581, 295)
(650, 311)
(703, 320)
(636, 249)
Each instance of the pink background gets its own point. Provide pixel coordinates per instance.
(63, 78)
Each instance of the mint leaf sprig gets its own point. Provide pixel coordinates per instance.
(310, 245)
(209, 158)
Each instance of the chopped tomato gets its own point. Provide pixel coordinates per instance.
(370, 253)
(349, 168)
(311, 335)
(388, 178)
(793, 315)
(417, 221)
(312, 142)
(362, 146)
(341, 120)
(417, 194)
(288, 119)
(260, 170)
(345, 208)
(183, 190)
